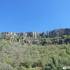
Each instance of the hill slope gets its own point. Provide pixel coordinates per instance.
(59, 32)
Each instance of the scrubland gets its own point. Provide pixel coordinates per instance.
(14, 56)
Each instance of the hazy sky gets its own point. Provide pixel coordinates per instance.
(34, 15)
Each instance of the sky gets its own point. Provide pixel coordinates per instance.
(34, 15)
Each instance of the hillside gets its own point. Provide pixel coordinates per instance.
(59, 32)
(35, 51)
(57, 36)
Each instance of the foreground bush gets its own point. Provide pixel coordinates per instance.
(15, 56)
(4, 66)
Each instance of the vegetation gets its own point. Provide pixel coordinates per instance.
(35, 51)
(14, 56)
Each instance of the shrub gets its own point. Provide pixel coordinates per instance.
(5, 67)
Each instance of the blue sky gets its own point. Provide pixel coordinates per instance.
(34, 15)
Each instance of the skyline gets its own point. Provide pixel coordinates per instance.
(34, 15)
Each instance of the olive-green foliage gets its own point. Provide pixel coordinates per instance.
(66, 36)
(4, 66)
(14, 56)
